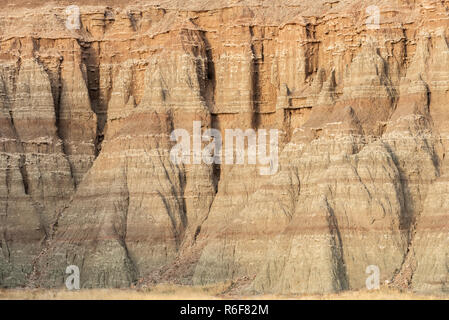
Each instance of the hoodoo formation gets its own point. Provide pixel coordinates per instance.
(86, 116)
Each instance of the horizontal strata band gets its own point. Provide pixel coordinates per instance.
(89, 98)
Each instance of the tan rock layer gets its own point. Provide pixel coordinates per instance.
(86, 117)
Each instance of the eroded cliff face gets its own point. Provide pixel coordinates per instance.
(86, 177)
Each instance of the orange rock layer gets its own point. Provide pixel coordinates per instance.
(86, 115)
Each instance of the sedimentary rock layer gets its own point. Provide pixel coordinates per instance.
(86, 116)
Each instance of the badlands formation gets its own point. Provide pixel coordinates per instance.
(86, 114)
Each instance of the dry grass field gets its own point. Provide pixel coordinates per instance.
(172, 292)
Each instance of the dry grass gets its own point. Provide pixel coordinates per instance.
(159, 292)
(172, 292)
